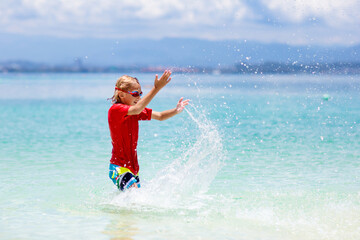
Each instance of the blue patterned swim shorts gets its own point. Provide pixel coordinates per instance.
(122, 177)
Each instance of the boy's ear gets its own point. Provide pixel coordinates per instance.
(121, 94)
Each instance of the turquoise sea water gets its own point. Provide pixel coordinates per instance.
(252, 157)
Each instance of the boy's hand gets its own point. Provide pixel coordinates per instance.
(163, 80)
(181, 104)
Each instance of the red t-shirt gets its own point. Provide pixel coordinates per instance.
(124, 131)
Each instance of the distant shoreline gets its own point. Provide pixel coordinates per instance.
(240, 68)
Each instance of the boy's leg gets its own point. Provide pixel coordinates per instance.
(127, 180)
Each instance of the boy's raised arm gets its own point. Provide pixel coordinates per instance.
(159, 83)
(163, 80)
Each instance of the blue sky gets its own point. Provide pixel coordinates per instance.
(294, 22)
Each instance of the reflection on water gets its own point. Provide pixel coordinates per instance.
(122, 227)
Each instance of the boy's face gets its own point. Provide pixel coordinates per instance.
(128, 99)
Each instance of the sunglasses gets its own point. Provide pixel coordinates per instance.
(133, 93)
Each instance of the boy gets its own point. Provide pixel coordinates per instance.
(128, 108)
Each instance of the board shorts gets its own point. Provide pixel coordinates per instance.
(122, 177)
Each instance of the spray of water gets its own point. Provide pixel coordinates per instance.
(186, 178)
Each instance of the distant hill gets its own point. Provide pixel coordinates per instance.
(165, 52)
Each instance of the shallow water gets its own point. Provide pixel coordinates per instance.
(253, 157)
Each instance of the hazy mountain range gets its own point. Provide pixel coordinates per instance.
(165, 52)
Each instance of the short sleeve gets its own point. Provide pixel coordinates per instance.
(119, 110)
(145, 114)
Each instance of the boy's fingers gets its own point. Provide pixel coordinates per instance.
(184, 103)
(167, 73)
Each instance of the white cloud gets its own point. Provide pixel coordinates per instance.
(107, 10)
(212, 19)
(333, 12)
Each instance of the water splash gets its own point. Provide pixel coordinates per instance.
(185, 179)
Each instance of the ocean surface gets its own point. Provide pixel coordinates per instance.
(274, 157)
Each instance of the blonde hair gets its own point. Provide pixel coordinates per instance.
(125, 82)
